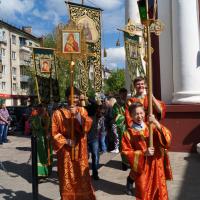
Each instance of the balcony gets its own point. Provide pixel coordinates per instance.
(24, 62)
(3, 40)
(26, 49)
(24, 78)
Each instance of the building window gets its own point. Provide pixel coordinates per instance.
(13, 39)
(30, 43)
(23, 71)
(14, 71)
(24, 85)
(13, 55)
(3, 85)
(14, 86)
(2, 35)
(3, 52)
(3, 69)
(22, 41)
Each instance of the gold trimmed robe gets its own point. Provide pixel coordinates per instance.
(74, 177)
(149, 172)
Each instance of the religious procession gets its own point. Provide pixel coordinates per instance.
(90, 120)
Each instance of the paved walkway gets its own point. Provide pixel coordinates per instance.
(15, 180)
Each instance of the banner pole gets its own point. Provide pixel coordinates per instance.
(149, 74)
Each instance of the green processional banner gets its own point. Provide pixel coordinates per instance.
(47, 85)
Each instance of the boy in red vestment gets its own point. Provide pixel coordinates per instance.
(140, 96)
(73, 174)
(148, 169)
(159, 110)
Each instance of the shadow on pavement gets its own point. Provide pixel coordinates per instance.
(109, 187)
(23, 148)
(53, 178)
(18, 195)
(23, 169)
(115, 164)
(190, 186)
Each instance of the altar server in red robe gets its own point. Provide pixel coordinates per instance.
(148, 169)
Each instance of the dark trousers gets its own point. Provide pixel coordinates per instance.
(93, 148)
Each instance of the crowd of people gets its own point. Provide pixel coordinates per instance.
(118, 125)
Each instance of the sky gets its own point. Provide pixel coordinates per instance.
(44, 15)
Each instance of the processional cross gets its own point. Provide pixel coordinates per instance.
(71, 45)
(144, 30)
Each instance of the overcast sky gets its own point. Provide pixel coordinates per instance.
(44, 15)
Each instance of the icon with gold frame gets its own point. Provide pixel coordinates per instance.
(71, 42)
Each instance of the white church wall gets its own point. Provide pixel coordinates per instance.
(165, 46)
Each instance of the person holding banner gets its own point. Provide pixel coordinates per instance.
(148, 169)
(141, 97)
(73, 168)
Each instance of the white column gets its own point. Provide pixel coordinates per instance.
(185, 34)
(165, 47)
(131, 12)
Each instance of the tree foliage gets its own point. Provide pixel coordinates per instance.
(115, 82)
(63, 70)
(49, 40)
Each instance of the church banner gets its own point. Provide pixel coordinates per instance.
(133, 49)
(46, 75)
(89, 18)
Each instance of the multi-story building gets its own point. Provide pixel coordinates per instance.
(15, 57)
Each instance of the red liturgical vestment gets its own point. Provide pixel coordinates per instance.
(149, 172)
(74, 177)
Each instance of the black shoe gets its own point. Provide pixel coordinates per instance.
(1, 143)
(96, 177)
(124, 167)
(6, 141)
(129, 186)
(129, 192)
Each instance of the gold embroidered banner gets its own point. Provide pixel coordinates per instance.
(133, 57)
(89, 18)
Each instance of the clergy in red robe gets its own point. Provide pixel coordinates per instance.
(148, 169)
(74, 177)
(159, 107)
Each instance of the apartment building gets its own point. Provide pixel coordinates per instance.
(15, 58)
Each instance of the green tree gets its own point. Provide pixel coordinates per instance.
(115, 82)
(49, 40)
(63, 70)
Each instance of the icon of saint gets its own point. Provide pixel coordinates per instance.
(71, 44)
(45, 67)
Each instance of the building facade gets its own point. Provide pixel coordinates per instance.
(15, 58)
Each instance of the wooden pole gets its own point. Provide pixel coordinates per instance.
(71, 104)
(149, 73)
(36, 81)
(50, 84)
